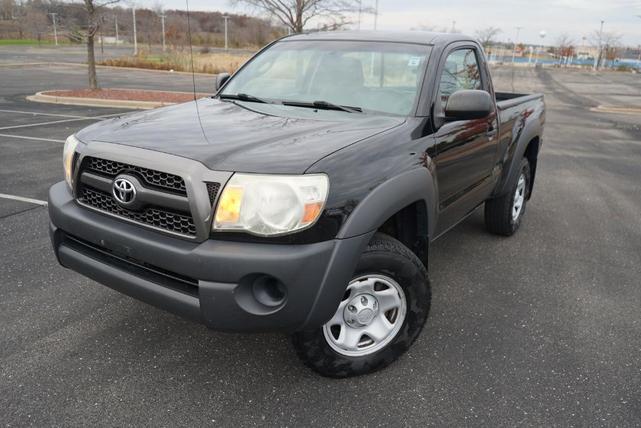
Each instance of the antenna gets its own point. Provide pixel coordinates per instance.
(191, 52)
(193, 75)
(518, 31)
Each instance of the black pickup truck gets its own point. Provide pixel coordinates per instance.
(303, 196)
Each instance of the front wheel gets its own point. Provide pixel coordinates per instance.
(382, 312)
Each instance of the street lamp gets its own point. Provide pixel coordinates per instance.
(542, 35)
(376, 16)
(226, 17)
(133, 11)
(116, 24)
(162, 24)
(597, 60)
(55, 31)
(518, 30)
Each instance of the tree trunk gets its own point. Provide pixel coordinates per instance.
(92, 29)
(298, 23)
(91, 63)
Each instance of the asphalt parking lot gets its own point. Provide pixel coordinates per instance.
(543, 328)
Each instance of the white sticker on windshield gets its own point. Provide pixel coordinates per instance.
(414, 61)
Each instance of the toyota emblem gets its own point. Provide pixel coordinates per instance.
(124, 191)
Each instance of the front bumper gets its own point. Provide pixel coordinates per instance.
(209, 281)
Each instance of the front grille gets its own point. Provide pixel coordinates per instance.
(150, 176)
(212, 190)
(151, 216)
(161, 198)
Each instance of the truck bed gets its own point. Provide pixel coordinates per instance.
(516, 112)
(505, 100)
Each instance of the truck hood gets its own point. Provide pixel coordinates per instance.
(242, 137)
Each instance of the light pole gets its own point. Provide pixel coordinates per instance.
(116, 22)
(542, 36)
(133, 11)
(639, 16)
(55, 31)
(360, 11)
(453, 27)
(162, 24)
(226, 17)
(518, 30)
(597, 60)
(376, 15)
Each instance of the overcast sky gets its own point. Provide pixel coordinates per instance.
(577, 18)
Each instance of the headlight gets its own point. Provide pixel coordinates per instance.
(67, 158)
(269, 205)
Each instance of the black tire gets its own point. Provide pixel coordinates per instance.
(498, 212)
(384, 255)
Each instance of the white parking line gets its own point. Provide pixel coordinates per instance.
(22, 199)
(44, 114)
(31, 125)
(22, 137)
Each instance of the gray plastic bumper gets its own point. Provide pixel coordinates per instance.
(204, 281)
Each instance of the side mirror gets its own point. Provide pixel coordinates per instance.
(221, 78)
(468, 104)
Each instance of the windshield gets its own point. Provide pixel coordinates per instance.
(367, 76)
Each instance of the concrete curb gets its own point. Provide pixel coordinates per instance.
(115, 67)
(96, 102)
(22, 64)
(108, 67)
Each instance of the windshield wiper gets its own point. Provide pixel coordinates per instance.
(324, 105)
(244, 97)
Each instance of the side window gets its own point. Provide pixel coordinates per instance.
(461, 71)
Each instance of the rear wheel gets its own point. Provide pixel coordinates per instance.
(382, 312)
(503, 215)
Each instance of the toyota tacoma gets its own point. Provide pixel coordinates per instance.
(303, 196)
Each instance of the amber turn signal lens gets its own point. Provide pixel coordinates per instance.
(229, 205)
(311, 213)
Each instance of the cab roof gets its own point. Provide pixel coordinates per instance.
(418, 37)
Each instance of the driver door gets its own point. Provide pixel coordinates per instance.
(465, 149)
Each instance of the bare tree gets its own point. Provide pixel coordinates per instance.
(430, 28)
(36, 22)
(7, 8)
(565, 47)
(92, 8)
(176, 30)
(608, 44)
(296, 14)
(486, 36)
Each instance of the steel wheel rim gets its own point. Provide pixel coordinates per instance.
(519, 198)
(356, 331)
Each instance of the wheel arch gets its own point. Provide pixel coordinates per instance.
(532, 155)
(528, 145)
(402, 207)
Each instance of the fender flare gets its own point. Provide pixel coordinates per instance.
(531, 131)
(390, 197)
